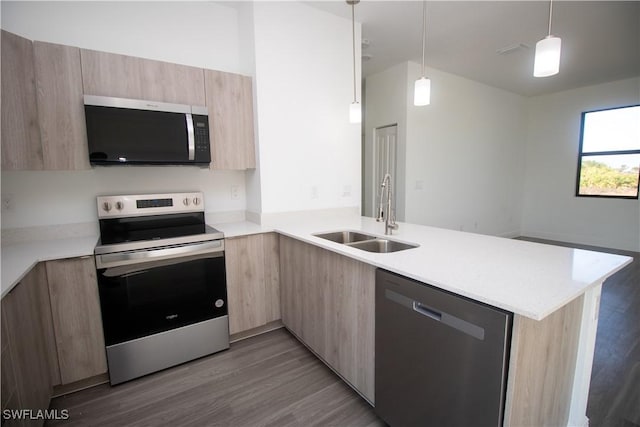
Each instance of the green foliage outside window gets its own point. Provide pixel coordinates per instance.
(609, 157)
(600, 179)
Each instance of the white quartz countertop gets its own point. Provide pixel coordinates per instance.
(241, 228)
(19, 258)
(529, 279)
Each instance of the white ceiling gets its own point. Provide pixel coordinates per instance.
(600, 39)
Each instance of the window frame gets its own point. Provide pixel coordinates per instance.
(581, 155)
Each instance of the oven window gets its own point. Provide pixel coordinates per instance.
(145, 299)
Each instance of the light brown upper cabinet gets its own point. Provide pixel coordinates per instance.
(21, 147)
(60, 107)
(230, 104)
(122, 76)
(43, 122)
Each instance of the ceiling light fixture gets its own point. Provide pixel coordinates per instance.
(355, 112)
(422, 88)
(547, 59)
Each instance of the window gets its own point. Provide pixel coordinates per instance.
(609, 159)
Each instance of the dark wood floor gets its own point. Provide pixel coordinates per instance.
(273, 380)
(268, 380)
(614, 395)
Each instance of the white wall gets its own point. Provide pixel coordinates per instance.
(248, 48)
(464, 152)
(45, 198)
(201, 34)
(309, 152)
(386, 104)
(551, 209)
(467, 150)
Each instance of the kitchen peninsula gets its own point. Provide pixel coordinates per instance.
(552, 291)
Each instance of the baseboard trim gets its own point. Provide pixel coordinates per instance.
(271, 326)
(582, 240)
(62, 389)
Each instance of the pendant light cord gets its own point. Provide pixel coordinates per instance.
(424, 32)
(353, 29)
(550, 15)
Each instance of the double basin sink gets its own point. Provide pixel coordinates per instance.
(366, 242)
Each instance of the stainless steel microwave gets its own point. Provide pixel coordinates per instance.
(136, 132)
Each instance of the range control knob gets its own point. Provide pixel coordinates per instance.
(106, 206)
(119, 205)
(196, 201)
(186, 201)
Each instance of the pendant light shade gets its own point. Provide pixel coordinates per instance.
(422, 87)
(355, 112)
(422, 92)
(547, 59)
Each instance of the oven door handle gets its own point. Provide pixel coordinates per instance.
(200, 250)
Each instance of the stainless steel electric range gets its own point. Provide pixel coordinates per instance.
(162, 282)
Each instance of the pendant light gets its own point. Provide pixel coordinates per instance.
(547, 59)
(422, 87)
(355, 112)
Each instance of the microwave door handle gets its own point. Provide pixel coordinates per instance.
(191, 137)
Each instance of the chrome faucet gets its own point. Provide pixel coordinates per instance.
(389, 216)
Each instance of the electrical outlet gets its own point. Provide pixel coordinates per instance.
(346, 191)
(7, 202)
(314, 192)
(419, 185)
(235, 192)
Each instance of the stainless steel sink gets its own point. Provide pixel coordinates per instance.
(345, 236)
(382, 245)
(366, 242)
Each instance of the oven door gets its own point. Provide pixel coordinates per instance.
(146, 292)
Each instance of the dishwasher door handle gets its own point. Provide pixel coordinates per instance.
(425, 311)
(439, 316)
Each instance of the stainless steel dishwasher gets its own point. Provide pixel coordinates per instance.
(441, 359)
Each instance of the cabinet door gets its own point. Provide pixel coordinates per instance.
(271, 250)
(60, 106)
(122, 76)
(21, 147)
(302, 302)
(75, 308)
(9, 392)
(328, 301)
(26, 351)
(252, 281)
(229, 100)
(245, 283)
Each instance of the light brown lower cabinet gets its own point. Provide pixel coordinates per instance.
(542, 366)
(77, 322)
(253, 293)
(51, 333)
(26, 377)
(328, 301)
